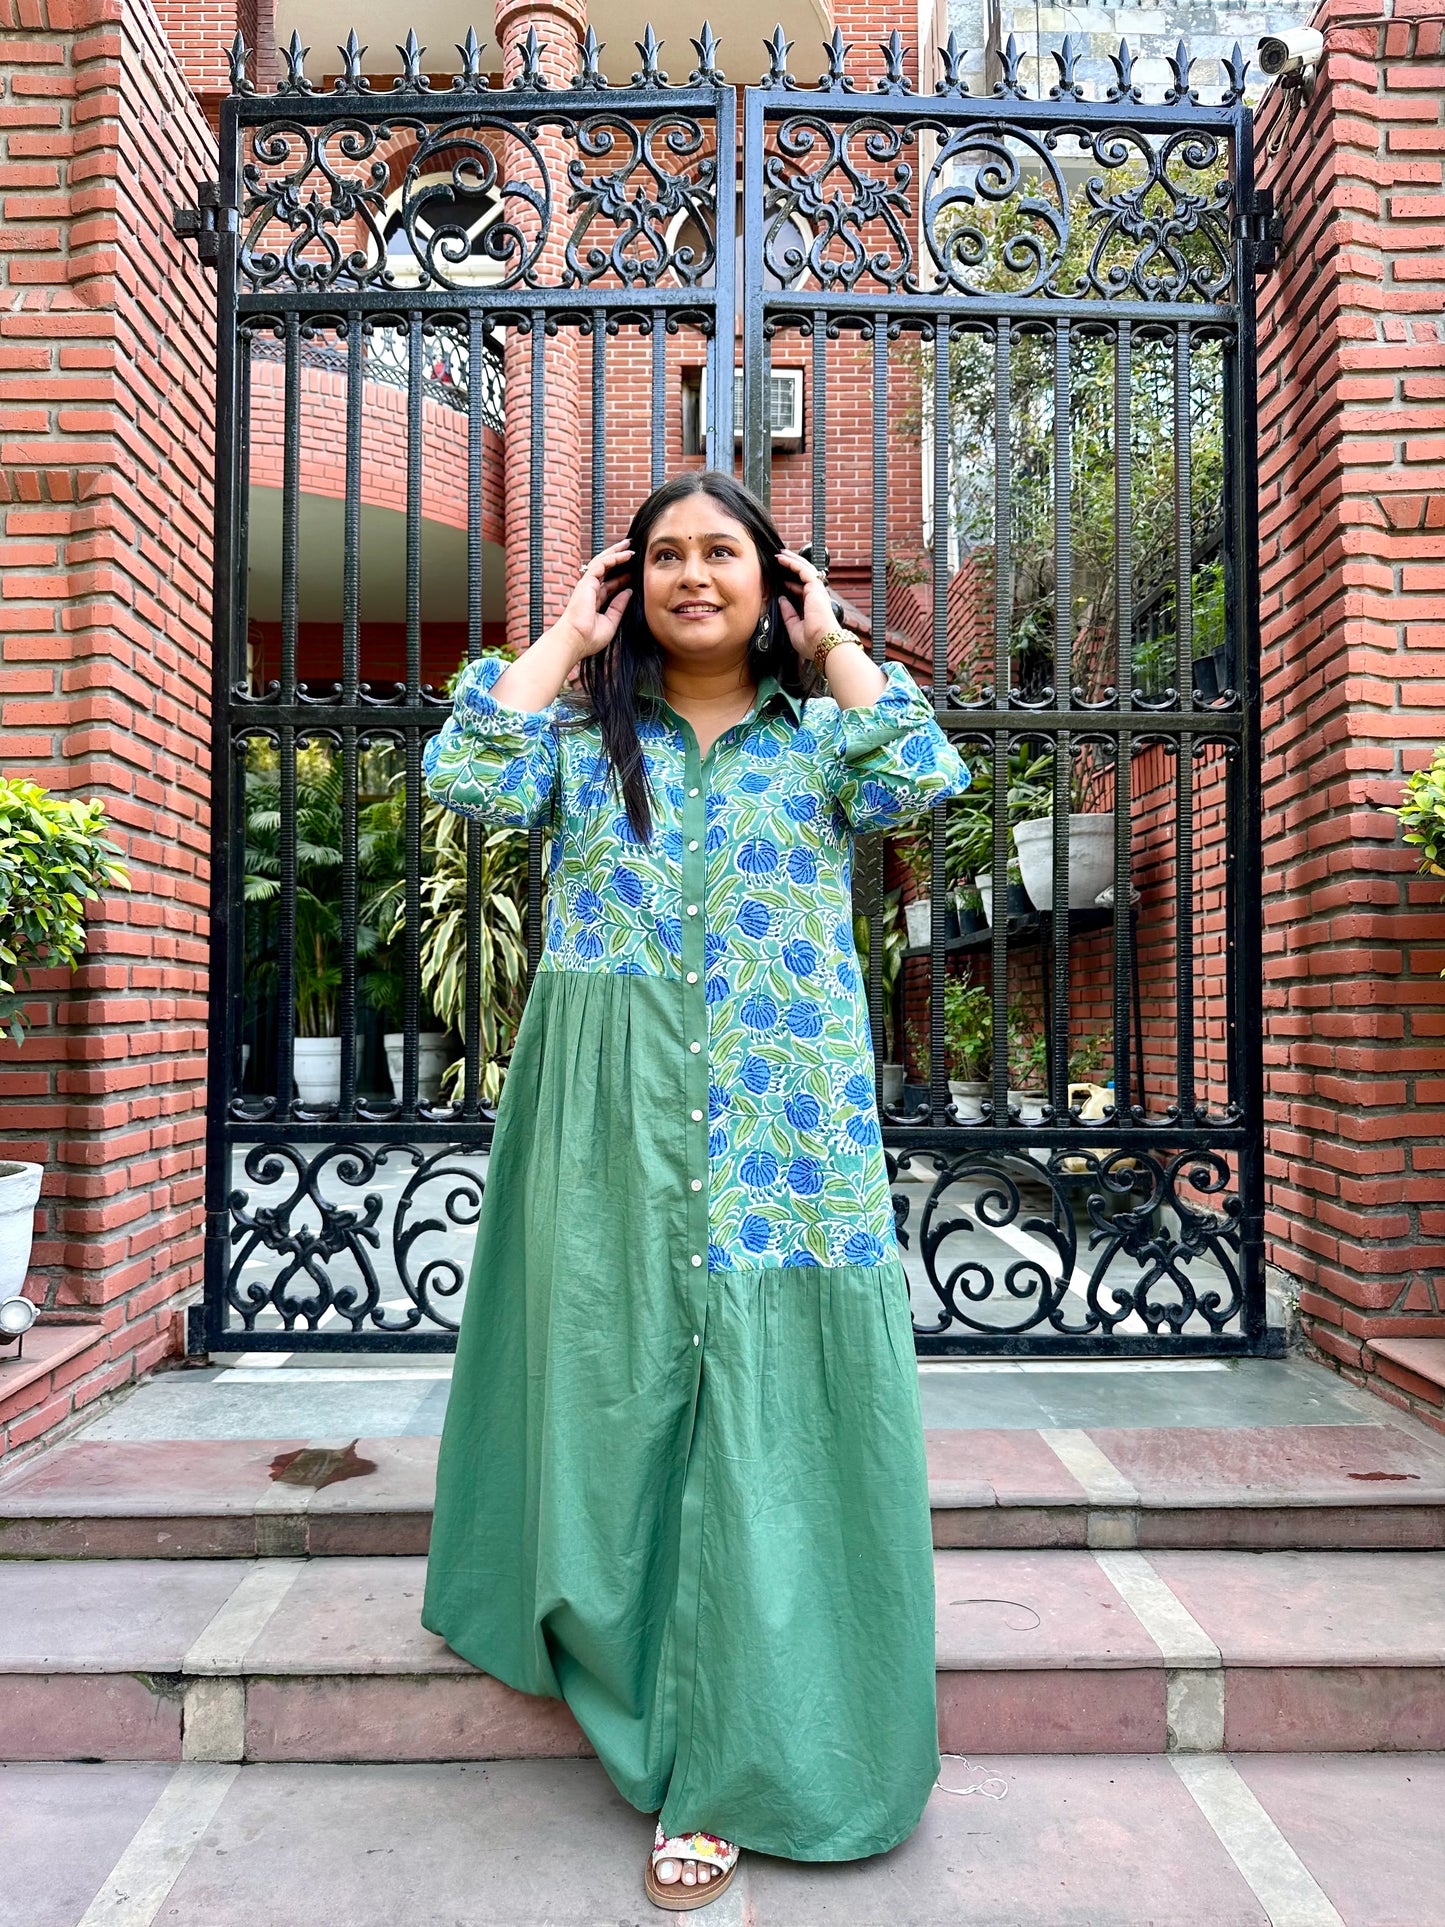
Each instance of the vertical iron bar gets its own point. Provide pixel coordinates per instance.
(1123, 919)
(286, 927)
(472, 982)
(1124, 513)
(228, 639)
(290, 505)
(1184, 927)
(599, 432)
(350, 782)
(535, 615)
(818, 436)
(1183, 522)
(411, 933)
(351, 534)
(1058, 1028)
(659, 396)
(754, 360)
(1003, 597)
(1246, 856)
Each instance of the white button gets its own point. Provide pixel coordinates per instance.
(692, 909)
(696, 1259)
(695, 1339)
(692, 976)
(693, 844)
(697, 1117)
(697, 1184)
(692, 792)
(694, 1047)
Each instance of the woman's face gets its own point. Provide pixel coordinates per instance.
(702, 582)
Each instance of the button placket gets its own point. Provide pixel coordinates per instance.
(695, 1034)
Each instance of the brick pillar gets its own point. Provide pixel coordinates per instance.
(564, 465)
(106, 382)
(1352, 482)
(200, 33)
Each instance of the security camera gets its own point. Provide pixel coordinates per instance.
(1293, 55)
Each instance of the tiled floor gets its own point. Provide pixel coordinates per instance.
(1339, 1841)
(315, 1396)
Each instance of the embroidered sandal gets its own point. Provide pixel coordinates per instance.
(706, 1849)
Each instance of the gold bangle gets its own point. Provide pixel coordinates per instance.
(826, 644)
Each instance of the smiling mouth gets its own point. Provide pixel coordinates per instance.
(697, 609)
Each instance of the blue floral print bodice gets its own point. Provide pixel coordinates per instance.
(743, 894)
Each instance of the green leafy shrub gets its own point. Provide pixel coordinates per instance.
(53, 859)
(1422, 814)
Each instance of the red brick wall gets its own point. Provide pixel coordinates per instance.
(105, 503)
(1352, 483)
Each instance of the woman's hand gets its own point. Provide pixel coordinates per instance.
(806, 623)
(594, 609)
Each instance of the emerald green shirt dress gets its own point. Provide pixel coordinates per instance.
(681, 1481)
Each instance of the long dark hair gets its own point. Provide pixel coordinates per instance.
(620, 679)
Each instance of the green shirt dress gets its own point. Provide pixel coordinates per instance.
(681, 1481)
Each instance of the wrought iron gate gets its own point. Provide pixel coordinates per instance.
(1053, 298)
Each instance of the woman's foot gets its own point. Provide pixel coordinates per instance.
(698, 1862)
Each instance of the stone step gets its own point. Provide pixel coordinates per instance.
(1244, 1487)
(1057, 1651)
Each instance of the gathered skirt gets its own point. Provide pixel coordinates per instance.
(690, 1502)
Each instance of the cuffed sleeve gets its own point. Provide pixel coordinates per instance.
(888, 761)
(490, 762)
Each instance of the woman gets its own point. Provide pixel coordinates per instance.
(681, 1482)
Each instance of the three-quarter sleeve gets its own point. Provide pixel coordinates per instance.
(491, 762)
(888, 761)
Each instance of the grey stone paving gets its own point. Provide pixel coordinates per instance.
(1301, 1841)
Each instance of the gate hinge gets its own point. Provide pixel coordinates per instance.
(1261, 226)
(205, 222)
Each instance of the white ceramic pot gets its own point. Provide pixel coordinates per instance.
(431, 1062)
(1091, 858)
(316, 1068)
(968, 1098)
(19, 1195)
(918, 916)
(1029, 1105)
(892, 1084)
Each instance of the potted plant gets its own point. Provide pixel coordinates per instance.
(1422, 814)
(1091, 838)
(1027, 1066)
(316, 1063)
(381, 858)
(894, 943)
(969, 902)
(914, 851)
(54, 857)
(969, 837)
(968, 1040)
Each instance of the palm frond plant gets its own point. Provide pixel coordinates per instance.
(500, 873)
(318, 879)
(895, 942)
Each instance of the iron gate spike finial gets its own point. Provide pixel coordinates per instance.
(649, 47)
(777, 50)
(894, 80)
(1008, 85)
(411, 79)
(707, 73)
(1180, 63)
(240, 53)
(351, 80)
(531, 79)
(953, 57)
(588, 74)
(1236, 67)
(471, 80)
(295, 81)
(1068, 87)
(1124, 88)
(837, 51)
